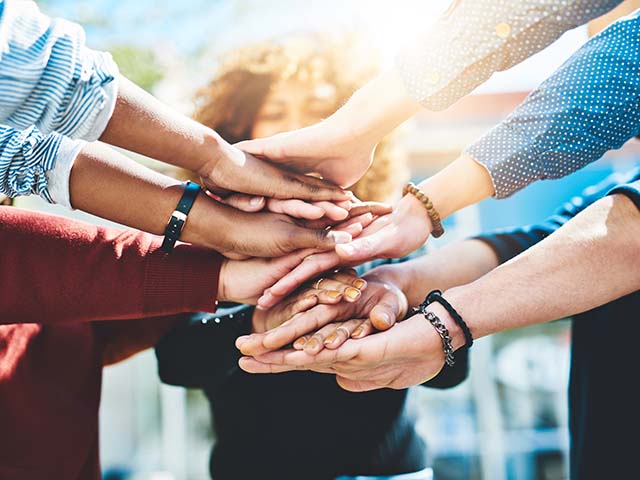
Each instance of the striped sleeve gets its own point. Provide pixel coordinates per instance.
(26, 159)
(49, 78)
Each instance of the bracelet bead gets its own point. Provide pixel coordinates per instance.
(433, 214)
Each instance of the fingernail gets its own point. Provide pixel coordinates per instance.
(255, 201)
(360, 284)
(310, 297)
(241, 340)
(384, 316)
(313, 343)
(299, 343)
(357, 331)
(340, 237)
(334, 294)
(352, 293)
(331, 338)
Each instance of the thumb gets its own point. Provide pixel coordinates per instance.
(386, 312)
(365, 248)
(258, 147)
(320, 239)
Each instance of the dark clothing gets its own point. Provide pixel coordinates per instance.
(602, 408)
(292, 425)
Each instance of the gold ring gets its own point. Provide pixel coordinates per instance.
(316, 285)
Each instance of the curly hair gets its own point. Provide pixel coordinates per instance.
(230, 102)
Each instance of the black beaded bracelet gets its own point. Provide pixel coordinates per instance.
(436, 296)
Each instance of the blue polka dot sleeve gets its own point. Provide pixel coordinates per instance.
(588, 106)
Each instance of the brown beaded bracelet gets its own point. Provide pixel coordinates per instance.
(437, 231)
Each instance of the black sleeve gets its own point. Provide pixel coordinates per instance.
(509, 242)
(202, 353)
(452, 376)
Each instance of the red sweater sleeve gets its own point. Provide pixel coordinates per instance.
(56, 270)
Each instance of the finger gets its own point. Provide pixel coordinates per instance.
(246, 203)
(300, 342)
(375, 208)
(341, 332)
(349, 292)
(302, 324)
(316, 342)
(364, 329)
(295, 208)
(364, 220)
(332, 211)
(349, 276)
(322, 240)
(251, 365)
(355, 385)
(311, 266)
(387, 311)
(366, 248)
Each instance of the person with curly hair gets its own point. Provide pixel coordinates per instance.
(260, 90)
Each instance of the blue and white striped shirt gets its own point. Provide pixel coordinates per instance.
(53, 91)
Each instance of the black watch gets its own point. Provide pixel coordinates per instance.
(179, 216)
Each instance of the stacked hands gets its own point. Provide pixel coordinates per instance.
(299, 225)
(330, 325)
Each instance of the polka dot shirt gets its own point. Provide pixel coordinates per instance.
(590, 105)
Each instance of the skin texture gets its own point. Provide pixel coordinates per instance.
(602, 242)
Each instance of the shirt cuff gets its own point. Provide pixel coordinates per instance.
(631, 190)
(58, 176)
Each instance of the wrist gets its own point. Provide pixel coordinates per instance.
(455, 332)
(222, 294)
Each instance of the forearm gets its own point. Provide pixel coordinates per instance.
(58, 270)
(455, 264)
(141, 123)
(112, 186)
(593, 259)
(377, 108)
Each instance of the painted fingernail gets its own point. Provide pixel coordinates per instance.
(360, 284)
(310, 297)
(299, 343)
(313, 343)
(384, 316)
(331, 338)
(255, 201)
(334, 294)
(357, 331)
(352, 293)
(340, 237)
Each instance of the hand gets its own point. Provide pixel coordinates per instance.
(324, 291)
(233, 232)
(382, 303)
(389, 236)
(341, 147)
(231, 170)
(408, 354)
(326, 148)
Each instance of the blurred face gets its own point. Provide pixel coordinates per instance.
(291, 105)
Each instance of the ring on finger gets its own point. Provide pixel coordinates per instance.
(317, 283)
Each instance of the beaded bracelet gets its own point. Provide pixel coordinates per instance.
(438, 230)
(440, 327)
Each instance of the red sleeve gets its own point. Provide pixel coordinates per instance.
(55, 270)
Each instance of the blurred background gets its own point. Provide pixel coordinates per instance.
(509, 420)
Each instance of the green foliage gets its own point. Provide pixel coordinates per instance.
(138, 64)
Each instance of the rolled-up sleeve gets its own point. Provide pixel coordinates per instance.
(476, 38)
(28, 159)
(587, 107)
(49, 78)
